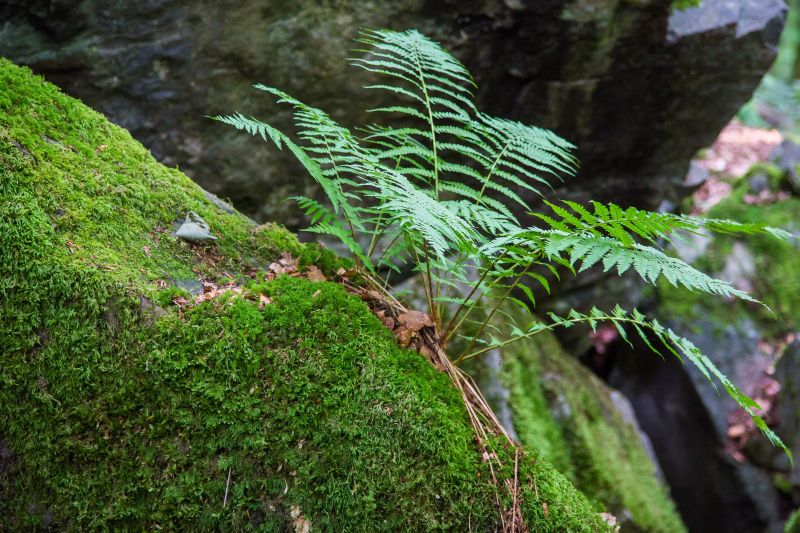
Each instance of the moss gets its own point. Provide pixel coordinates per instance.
(567, 414)
(121, 411)
(778, 280)
(793, 524)
(777, 283)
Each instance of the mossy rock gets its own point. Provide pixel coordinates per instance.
(122, 410)
(793, 524)
(774, 280)
(568, 414)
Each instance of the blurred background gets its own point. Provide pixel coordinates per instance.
(686, 106)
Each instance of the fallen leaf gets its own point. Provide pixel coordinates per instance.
(315, 274)
(608, 518)
(300, 523)
(263, 301)
(403, 336)
(371, 295)
(415, 320)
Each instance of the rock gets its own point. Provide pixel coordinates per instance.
(787, 373)
(787, 157)
(223, 414)
(740, 268)
(558, 407)
(686, 421)
(635, 86)
(696, 176)
(758, 183)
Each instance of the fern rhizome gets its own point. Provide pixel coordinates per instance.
(437, 192)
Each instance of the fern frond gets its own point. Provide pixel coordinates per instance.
(650, 263)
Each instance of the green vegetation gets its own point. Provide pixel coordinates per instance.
(123, 410)
(777, 282)
(793, 524)
(563, 410)
(436, 192)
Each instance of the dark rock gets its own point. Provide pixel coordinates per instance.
(758, 183)
(787, 157)
(686, 420)
(638, 88)
(696, 176)
(787, 373)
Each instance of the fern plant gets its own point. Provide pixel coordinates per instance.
(438, 190)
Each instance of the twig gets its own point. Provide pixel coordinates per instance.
(227, 486)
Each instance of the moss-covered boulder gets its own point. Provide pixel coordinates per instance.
(587, 431)
(282, 404)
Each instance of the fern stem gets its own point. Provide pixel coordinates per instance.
(376, 235)
(491, 170)
(386, 248)
(338, 178)
(495, 308)
(453, 326)
(431, 302)
(428, 295)
(548, 327)
(430, 121)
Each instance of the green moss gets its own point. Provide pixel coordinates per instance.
(121, 415)
(793, 524)
(566, 413)
(778, 281)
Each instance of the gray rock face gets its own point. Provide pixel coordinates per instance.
(637, 88)
(687, 421)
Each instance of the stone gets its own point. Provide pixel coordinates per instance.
(686, 419)
(637, 87)
(787, 157)
(758, 183)
(740, 268)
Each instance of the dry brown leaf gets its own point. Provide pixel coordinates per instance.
(415, 320)
(301, 524)
(371, 295)
(315, 274)
(425, 351)
(403, 336)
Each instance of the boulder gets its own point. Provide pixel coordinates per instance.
(131, 404)
(636, 86)
(555, 405)
(722, 473)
